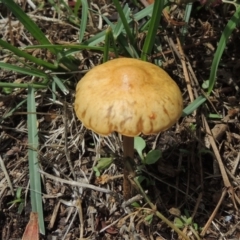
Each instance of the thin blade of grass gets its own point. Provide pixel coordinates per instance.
(54, 91)
(84, 18)
(72, 47)
(113, 40)
(77, 7)
(95, 40)
(60, 84)
(27, 56)
(31, 72)
(118, 29)
(186, 18)
(145, 26)
(99, 37)
(129, 49)
(34, 175)
(34, 30)
(193, 106)
(30, 25)
(124, 21)
(63, 5)
(144, 13)
(8, 114)
(107, 44)
(231, 25)
(152, 31)
(22, 85)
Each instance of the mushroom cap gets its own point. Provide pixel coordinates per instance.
(128, 96)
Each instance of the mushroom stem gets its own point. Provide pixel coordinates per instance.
(128, 153)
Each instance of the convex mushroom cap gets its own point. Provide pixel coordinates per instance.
(128, 96)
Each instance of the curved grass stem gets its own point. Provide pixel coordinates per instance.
(157, 213)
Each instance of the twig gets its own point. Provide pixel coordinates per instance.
(170, 185)
(65, 122)
(214, 213)
(236, 163)
(80, 212)
(177, 179)
(131, 200)
(232, 230)
(191, 46)
(108, 226)
(76, 184)
(2, 166)
(187, 79)
(226, 181)
(157, 213)
(70, 225)
(195, 83)
(31, 4)
(215, 225)
(54, 215)
(199, 199)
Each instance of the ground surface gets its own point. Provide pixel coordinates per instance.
(186, 179)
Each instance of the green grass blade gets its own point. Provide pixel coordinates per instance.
(54, 91)
(231, 25)
(34, 30)
(34, 175)
(61, 6)
(193, 106)
(27, 71)
(129, 49)
(60, 84)
(113, 41)
(22, 85)
(77, 7)
(124, 21)
(186, 18)
(145, 26)
(144, 13)
(27, 56)
(107, 44)
(95, 40)
(8, 114)
(118, 28)
(152, 31)
(84, 18)
(75, 47)
(30, 25)
(99, 37)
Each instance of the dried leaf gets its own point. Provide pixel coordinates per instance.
(103, 179)
(111, 230)
(31, 231)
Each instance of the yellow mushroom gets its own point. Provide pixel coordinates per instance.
(128, 96)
